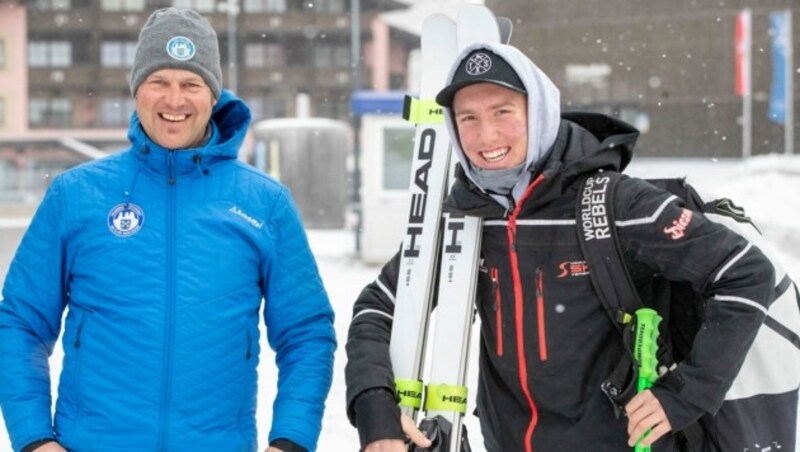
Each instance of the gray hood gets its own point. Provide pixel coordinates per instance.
(544, 112)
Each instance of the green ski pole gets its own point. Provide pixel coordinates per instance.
(644, 351)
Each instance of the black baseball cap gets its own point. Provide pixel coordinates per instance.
(481, 66)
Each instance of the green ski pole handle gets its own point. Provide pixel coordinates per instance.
(645, 348)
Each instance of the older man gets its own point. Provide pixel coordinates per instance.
(162, 255)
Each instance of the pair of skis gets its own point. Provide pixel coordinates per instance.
(437, 245)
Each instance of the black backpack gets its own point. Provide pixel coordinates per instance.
(754, 415)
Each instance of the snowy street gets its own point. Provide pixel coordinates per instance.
(767, 186)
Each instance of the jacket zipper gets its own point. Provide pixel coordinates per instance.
(518, 312)
(249, 345)
(77, 343)
(540, 315)
(78, 364)
(498, 310)
(169, 327)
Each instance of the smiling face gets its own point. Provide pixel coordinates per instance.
(492, 123)
(174, 107)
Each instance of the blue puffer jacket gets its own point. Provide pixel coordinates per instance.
(162, 258)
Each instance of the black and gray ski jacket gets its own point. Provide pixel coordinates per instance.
(546, 342)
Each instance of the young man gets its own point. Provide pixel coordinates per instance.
(547, 343)
(162, 255)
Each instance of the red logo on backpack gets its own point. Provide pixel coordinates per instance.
(678, 228)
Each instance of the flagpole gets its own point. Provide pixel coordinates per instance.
(747, 127)
(742, 83)
(747, 98)
(788, 125)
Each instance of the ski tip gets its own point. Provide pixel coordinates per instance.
(439, 27)
(475, 9)
(506, 28)
(437, 20)
(439, 45)
(476, 23)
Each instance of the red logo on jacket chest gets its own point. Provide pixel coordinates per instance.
(678, 228)
(578, 268)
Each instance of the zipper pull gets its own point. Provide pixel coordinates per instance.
(539, 282)
(77, 343)
(495, 286)
(171, 167)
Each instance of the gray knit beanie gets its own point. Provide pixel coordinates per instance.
(177, 38)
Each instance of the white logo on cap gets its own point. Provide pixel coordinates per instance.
(181, 48)
(478, 64)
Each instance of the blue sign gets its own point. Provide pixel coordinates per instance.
(779, 32)
(377, 103)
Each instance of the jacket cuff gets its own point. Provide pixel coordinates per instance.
(287, 445)
(680, 412)
(377, 416)
(39, 442)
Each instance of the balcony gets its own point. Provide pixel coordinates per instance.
(295, 23)
(287, 77)
(49, 22)
(56, 78)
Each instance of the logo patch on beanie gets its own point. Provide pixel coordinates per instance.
(181, 48)
(478, 64)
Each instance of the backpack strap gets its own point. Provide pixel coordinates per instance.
(598, 239)
(599, 244)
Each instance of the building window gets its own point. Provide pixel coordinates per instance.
(117, 54)
(52, 5)
(116, 111)
(203, 6)
(265, 6)
(264, 55)
(122, 5)
(49, 54)
(2, 54)
(398, 144)
(334, 107)
(325, 6)
(268, 106)
(53, 112)
(326, 56)
(256, 105)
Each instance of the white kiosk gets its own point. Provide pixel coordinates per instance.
(387, 142)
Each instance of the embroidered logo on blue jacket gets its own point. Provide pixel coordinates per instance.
(181, 48)
(253, 222)
(125, 219)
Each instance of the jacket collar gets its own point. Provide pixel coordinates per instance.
(586, 142)
(230, 120)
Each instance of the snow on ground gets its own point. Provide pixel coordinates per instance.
(766, 186)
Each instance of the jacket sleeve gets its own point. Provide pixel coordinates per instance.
(658, 231)
(371, 401)
(299, 321)
(33, 301)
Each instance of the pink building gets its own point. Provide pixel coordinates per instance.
(13, 69)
